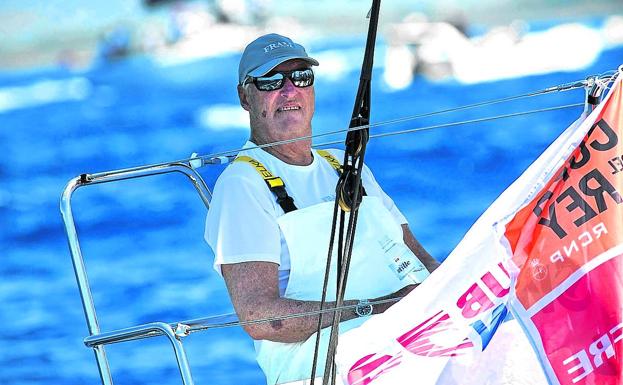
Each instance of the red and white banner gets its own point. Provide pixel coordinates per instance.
(533, 294)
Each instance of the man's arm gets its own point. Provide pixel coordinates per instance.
(415, 246)
(254, 291)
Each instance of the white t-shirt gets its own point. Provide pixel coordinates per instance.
(241, 225)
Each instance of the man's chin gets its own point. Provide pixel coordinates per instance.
(289, 113)
(291, 117)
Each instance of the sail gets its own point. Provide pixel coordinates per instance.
(533, 292)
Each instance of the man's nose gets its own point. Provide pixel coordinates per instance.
(288, 87)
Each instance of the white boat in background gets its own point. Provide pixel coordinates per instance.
(441, 50)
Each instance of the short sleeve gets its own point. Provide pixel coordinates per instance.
(241, 224)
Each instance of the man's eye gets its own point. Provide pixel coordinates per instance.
(272, 77)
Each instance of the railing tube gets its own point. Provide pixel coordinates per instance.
(78, 261)
(82, 279)
(111, 176)
(154, 328)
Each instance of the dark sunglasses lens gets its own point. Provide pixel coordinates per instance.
(300, 78)
(269, 83)
(303, 78)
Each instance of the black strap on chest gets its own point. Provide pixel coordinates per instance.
(275, 184)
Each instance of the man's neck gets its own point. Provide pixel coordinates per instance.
(297, 153)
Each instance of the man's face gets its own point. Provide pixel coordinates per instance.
(280, 114)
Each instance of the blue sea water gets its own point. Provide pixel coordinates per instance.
(143, 239)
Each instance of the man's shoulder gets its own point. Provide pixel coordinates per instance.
(238, 172)
(240, 182)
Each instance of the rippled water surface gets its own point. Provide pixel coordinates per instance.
(142, 239)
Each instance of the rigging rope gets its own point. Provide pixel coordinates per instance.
(348, 196)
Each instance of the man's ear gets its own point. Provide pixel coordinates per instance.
(244, 102)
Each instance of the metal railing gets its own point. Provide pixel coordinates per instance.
(174, 332)
(96, 339)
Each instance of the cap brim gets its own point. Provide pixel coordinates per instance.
(268, 66)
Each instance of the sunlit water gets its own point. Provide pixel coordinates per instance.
(142, 240)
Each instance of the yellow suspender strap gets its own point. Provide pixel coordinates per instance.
(331, 159)
(274, 183)
(271, 180)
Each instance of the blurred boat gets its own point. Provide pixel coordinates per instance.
(443, 51)
(200, 30)
(190, 31)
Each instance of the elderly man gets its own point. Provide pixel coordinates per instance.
(271, 215)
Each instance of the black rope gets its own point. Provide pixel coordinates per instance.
(348, 197)
(324, 292)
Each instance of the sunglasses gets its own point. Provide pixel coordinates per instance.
(300, 78)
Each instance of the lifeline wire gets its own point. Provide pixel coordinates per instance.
(479, 120)
(215, 157)
(289, 316)
(196, 326)
(560, 88)
(208, 159)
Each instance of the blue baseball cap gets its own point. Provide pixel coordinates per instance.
(267, 52)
